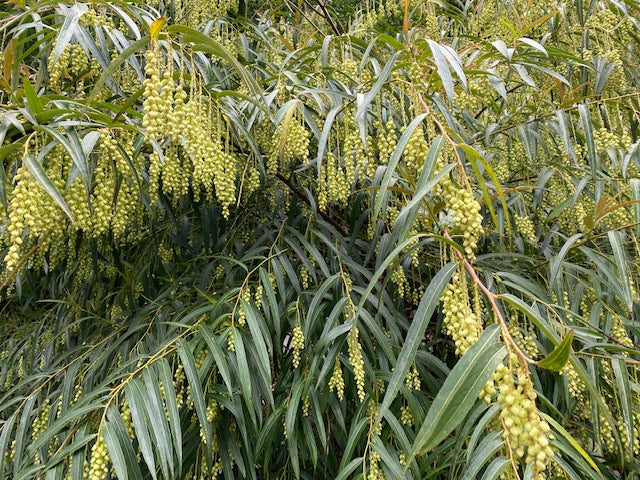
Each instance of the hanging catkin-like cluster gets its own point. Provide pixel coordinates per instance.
(98, 467)
(297, 343)
(415, 153)
(212, 164)
(19, 212)
(464, 217)
(336, 382)
(158, 96)
(386, 139)
(333, 183)
(197, 152)
(123, 200)
(176, 173)
(462, 324)
(467, 220)
(290, 142)
(41, 420)
(526, 229)
(102, 196)
(355, 358)
(527, 432)
(357, 160)
(34, 217)
(73, 60)
(199, 11)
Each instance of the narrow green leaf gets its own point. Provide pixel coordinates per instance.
(635, 194)
(559, 356)
(116, 455)
(140, 419)
(206, 44)
(244, 373)
(289, 425)
(80, 441)
(269, 427)
(442, 67)
(71, 19)
(159, 427)
(172, 407)
(624, 397)
(365, 100)
(594, 160)
(485, 451)
(495, 468)
(218, 355)
(357, 429)
(494, 178)
(620, 258)
(324, 136)
(556, 262)
(421, 319)
(32, 97)
(115, 434)
(460, 390)
(473, 156)
(424, 185)
(383, 267)
(480, 427)
(3, 190)
(389, 460)
(264, 364)
(188, 362)
(349, 468)
(572, 441)
(21, 434)
(76, 154)
(77, 462)
(7, 428)
(114, 66)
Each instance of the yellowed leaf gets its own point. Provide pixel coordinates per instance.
(156, 27)
(8, 60)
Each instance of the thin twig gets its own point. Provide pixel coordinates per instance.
(329, 18)
(300, 194)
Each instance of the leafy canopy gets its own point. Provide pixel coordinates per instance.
(319, 239)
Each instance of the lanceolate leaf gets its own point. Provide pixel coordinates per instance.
(495, 468)
(196, 392)
(623, 386)
(364, 100)
(71, 17)
(121, 451)
(140, 419)
(620, 259)
(6, 431)
(440, 60)
(572, 441)
(557, 359)
(421, 319)
(116, 64)
(460, 390)
(483, 453)
(205, 43)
